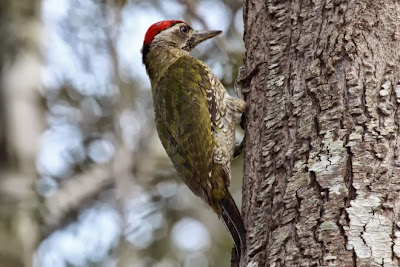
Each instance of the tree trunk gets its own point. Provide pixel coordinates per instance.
(321, 170)
(20, 127)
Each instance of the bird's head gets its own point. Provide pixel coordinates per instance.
(171, 35)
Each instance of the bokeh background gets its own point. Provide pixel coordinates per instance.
(84, 180)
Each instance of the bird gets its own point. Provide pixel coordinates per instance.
(194, 117)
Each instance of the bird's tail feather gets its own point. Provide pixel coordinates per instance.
(233, 222)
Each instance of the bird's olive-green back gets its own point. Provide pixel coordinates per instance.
(183, 122)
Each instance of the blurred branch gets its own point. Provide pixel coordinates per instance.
(192, 9)
(3, 124)
(21, 123)
(75, 192)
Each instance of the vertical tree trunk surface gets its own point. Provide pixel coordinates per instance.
(322, 165)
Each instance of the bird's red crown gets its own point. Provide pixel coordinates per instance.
(156, 28)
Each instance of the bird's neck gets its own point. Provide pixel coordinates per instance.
(159, 60)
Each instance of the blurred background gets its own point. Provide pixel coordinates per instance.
(84, 180)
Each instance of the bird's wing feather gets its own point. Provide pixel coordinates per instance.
(185, 108)
(184, 125)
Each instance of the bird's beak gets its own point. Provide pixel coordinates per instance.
(200, 36)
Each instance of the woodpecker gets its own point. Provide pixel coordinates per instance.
(195, 117)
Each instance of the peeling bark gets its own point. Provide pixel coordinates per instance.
(322, 171)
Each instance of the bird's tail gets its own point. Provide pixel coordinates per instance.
(233, 222)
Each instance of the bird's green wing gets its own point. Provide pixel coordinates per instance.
(184, 105)
(184, 125)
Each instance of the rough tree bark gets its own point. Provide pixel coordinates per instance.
(322, 165)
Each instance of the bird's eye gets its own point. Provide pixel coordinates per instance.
(184, 29)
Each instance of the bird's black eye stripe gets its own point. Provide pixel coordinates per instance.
(184, 29)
